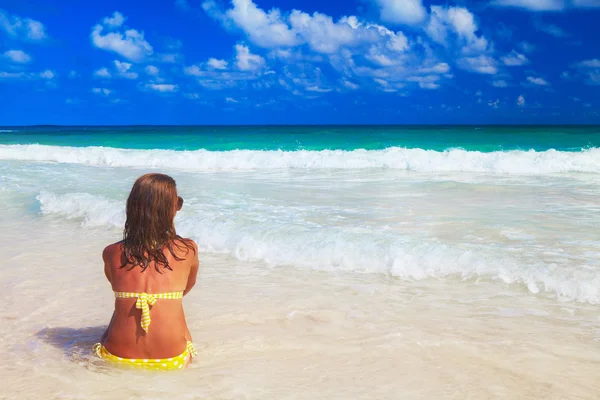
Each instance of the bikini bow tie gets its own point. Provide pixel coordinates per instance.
(144, 301)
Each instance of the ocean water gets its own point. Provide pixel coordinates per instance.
(327, 252)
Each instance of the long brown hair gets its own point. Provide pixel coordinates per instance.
(151, 209)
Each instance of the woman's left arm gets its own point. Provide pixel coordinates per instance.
(106, 267)
(109, 277)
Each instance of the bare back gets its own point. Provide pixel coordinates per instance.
(168, 333)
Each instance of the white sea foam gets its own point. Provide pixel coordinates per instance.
(419, 160)
(359, 250)
(92, 210)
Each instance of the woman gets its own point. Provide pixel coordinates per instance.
(150, 271)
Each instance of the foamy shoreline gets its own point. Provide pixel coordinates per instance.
(288, 333)
(517, 162)
(316, 283)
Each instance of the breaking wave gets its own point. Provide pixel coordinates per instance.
(417, 160)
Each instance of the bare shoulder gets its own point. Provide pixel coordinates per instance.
(186, 248)
(112, 250)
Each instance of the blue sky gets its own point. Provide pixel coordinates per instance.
(299, 62)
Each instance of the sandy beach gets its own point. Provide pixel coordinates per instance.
(287, 333)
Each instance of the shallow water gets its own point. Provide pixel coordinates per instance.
(289, 333)
(382, 274)
(538, 232)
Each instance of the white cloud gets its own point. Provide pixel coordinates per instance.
(263, 29)
(168, 58)
(124, 70)
(13, 75)
(115, 21)
(162, 87)
(214, 79)
(514, 59)
(521, 101)
(217, 84)
(17, 56)
(480, 64)
(317, 89)
(459, 23)
(349, 85)
(231, 100)
(121, 70)
(590, 69)
(426, 82)
(537, 81)
(456, 27)
(408, 12)
(246, 61)
(305, 80)
(322, 34)
(102, 91)
(192, 96)
(22, 28)
(318, 31)
(532, 5)
(500, 83)
(152, 70)
(130, 43)
(48, 74)
(594, 63)
(194, 70)
(494, 104)
(526, 47)
(547, 5)
(388, 87)
(439, 68)
(102, 73)
(217, 64)
(550, 29)
(357, 50)
(428, 85)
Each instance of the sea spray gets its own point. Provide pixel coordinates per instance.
(354, 250)
(417, 160)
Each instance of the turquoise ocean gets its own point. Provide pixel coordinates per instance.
(489, 202)
(293, 138)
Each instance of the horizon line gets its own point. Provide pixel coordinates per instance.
(292, 125)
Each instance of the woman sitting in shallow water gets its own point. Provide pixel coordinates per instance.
(150, 271)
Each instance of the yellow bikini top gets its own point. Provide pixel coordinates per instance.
(145, 300)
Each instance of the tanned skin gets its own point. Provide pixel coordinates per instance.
(168, 331)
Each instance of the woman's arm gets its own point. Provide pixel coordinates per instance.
(193, 271)
(109, 277)
(106, 267)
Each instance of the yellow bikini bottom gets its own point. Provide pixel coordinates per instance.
(162, 364)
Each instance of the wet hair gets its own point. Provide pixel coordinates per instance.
(149, 228)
